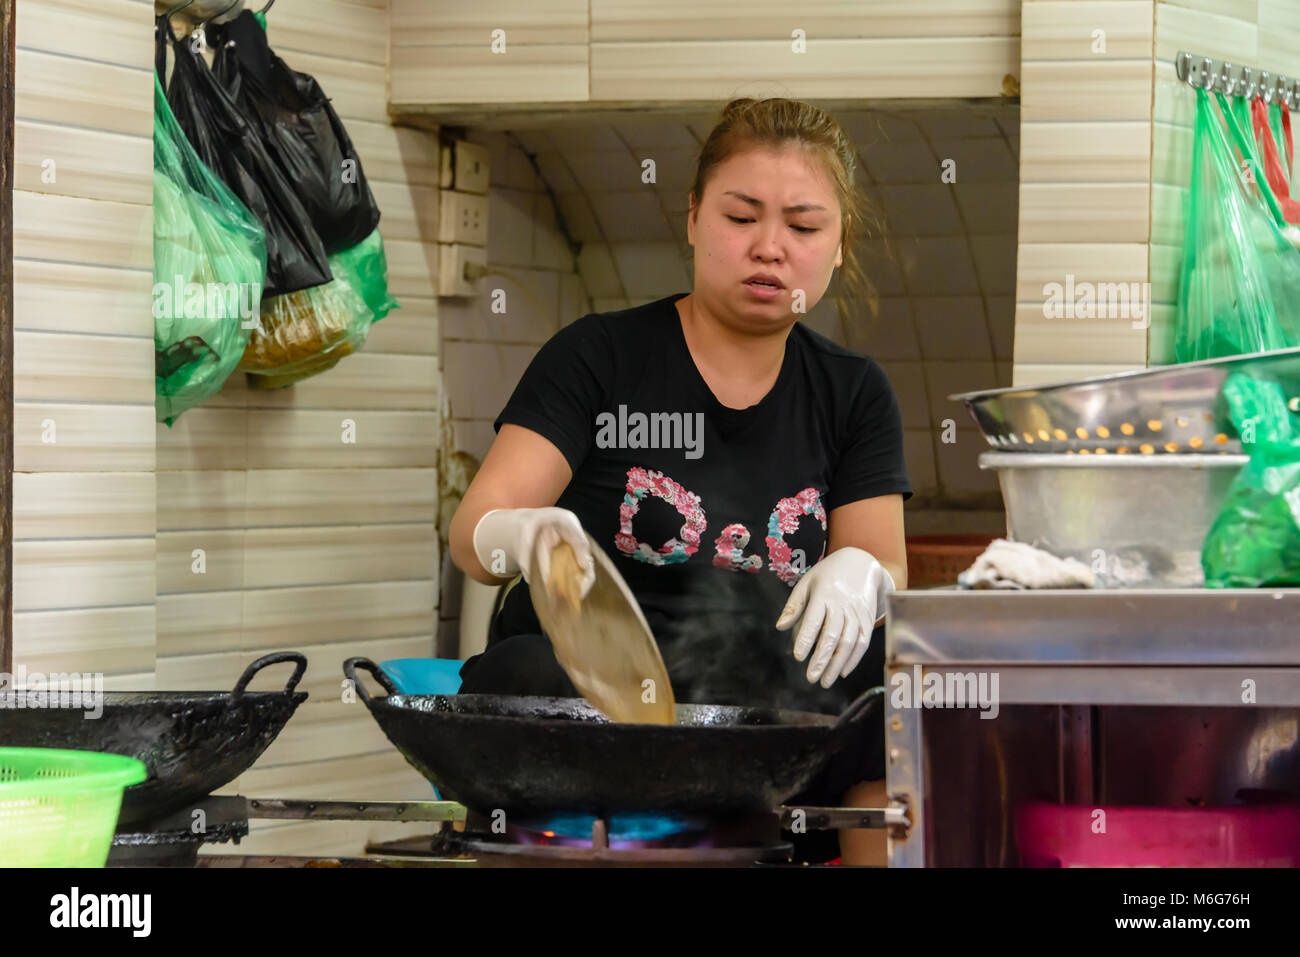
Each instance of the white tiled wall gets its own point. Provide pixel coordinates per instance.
(326, 547)
(565, 51)
(83, 485)
(1085, 180)
(533, 261)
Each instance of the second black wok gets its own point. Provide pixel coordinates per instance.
(192, 742)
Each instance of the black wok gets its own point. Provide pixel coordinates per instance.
(192, 742)
(535, 755)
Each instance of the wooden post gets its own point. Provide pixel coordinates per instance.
(6, 336)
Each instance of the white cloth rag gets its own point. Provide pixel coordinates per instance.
(1007, 564)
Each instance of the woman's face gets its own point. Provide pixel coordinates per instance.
(770, 211)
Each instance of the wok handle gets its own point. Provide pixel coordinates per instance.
(350, 672)
(272, 659)
(871, 699)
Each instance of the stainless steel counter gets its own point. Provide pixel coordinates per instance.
(1172, 626)
(1159, 696)
(1107, 646)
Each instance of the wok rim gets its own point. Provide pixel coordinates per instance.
(158, 697)
(824, 722)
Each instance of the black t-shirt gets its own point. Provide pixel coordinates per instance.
(711, 514)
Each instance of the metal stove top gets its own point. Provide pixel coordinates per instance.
(466, 839)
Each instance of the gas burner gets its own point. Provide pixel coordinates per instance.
(622, 831)
(620, 840)
(174, 840)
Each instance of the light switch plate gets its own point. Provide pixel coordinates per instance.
(462, 218)
(471, 165)
(452, 259)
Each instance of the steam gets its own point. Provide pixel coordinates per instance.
(727, 650)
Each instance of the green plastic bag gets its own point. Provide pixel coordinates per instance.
(304, 333)
(209, 268)
(365, 268)
(1255, 538)
(1281, 137)
(333, 320)
(1240, 285)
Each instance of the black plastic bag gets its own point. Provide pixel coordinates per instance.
(233, 149)
(301, 129)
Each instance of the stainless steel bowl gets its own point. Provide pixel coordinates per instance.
(1175, 409)
(1138, 521)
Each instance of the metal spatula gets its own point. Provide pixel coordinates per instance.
(603, 641)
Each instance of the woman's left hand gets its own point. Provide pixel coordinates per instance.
(839, 598)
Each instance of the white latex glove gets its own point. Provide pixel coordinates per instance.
(840, 597)
(524, 537)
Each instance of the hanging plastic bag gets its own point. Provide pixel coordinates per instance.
(1279, 118)
(209, 262)
(233, 149)
(304, 333)
(301, 129)
(1274, 122)
(1255, 539)
(1240, 285)
(1259, 177)
(1275, 169)
(316, 367)
(309, 141)
(365, 268)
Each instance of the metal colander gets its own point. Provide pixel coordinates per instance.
(1176, 409)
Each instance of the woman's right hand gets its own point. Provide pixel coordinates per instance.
(510, 540)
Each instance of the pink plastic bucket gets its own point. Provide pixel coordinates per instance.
(1074, 835)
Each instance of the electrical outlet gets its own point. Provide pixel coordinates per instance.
(470, 165)
(452, 262)
(462, 218)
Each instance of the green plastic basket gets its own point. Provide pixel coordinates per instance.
(59, 808)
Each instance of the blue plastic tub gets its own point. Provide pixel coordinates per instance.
(424, 675)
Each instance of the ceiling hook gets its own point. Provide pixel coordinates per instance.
(1225, 79)
(222, 13)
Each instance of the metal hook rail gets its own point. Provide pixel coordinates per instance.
(1211, 74)
(211, 17)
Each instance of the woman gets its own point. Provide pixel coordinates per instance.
(744, 473)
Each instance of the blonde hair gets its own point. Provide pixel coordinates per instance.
(774, 122)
